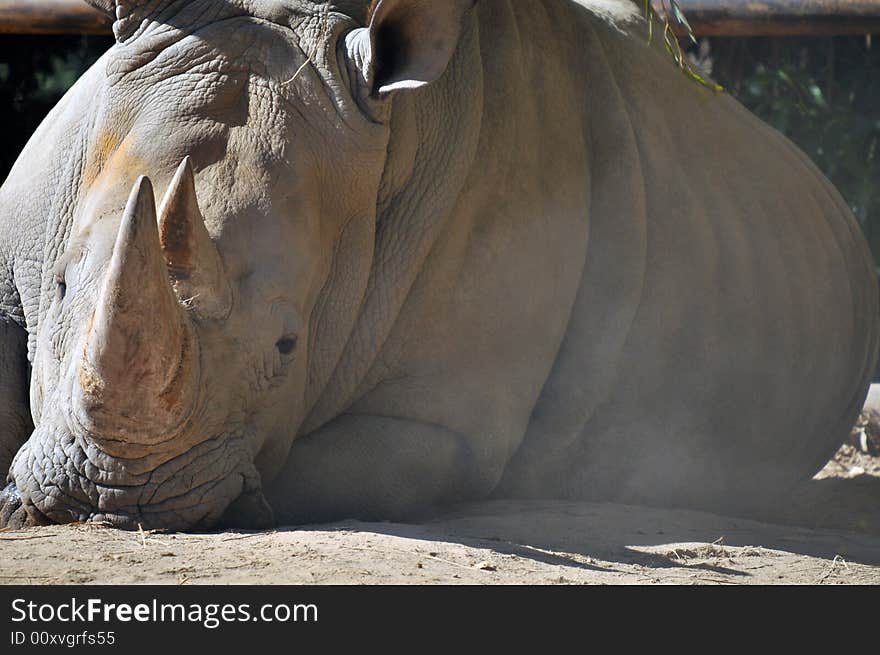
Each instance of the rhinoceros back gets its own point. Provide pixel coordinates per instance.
(726, 329)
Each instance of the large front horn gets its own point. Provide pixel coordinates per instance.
(139, 370)
(194, 264)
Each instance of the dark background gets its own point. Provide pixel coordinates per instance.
(823, 92)
(35, 71)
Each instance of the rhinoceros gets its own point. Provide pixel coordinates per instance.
(292, 260)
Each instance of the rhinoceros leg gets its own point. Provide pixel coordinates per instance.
(15, 416)
(371, 468)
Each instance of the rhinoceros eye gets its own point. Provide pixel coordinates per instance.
(286, 345)
(60, 286)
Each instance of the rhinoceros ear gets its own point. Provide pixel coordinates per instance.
(408, 42)
(105, 6)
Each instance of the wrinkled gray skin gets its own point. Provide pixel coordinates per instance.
(432, 254)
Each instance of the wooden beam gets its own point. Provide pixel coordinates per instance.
(780, 17)
(707, 17)
(51, 17)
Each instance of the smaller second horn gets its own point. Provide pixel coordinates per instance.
(194, 264)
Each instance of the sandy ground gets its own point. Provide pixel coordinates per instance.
(498, 542)
(486, 543)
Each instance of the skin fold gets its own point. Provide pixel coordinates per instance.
(287, 261)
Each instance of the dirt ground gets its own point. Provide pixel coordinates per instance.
(498, 542)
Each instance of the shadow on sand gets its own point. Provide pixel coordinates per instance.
(826, 519)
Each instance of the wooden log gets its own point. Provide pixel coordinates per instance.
(51, 17)
(707, 17)
(780, 17)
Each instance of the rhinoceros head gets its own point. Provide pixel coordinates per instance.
(217, 249)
